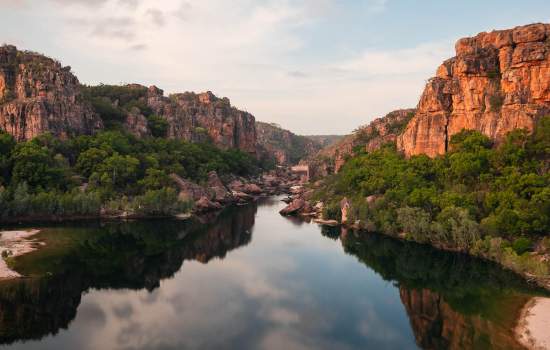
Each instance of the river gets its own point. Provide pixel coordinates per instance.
(251, 279)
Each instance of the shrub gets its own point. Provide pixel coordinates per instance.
(163, 202)
(332, 211)
(522, 245)
(416, 222)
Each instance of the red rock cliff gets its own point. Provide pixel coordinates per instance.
(497, 82)
(194, 117)
(38, 95)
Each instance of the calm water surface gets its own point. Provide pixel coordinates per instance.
(251, 279)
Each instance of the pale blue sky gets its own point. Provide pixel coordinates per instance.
(313, 66)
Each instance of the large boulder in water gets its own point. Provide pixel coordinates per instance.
(294, 207)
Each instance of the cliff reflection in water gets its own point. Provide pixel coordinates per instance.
(134, 255)
(453, 301)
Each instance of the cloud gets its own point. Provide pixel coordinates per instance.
(132, 4)
(137, 47)
(156, 16)
(183, 10)
(88, 3)
(114, 28)
(297, 74)
(421, 58)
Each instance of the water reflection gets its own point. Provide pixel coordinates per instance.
(134, 255)
(165, 284)
(453, 301)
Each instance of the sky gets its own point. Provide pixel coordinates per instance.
(311, 66)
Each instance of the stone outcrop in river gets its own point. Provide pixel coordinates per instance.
(39, 95)
(497, 82)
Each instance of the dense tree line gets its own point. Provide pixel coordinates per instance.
(113, 170)
(480, 198)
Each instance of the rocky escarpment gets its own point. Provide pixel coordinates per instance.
(497, 82)
(195, 117)
(203, 117)
(283, 146)
(38, 95)
(369, 137)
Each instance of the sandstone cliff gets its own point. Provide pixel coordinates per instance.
(497, 82)
(194, 117)
(283, 146)
(369, 137)
(38, 95)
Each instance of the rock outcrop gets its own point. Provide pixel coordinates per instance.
(199, 117)
(39, 95)
(497, 82)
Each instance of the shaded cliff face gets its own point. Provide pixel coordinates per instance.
(497, 82)
(197, 117)
(369, 137)
(38, 95)
(284, 146)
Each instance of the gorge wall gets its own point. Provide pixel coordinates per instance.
(38, 95)
(192, 116)
(283, 146)
(497, 82)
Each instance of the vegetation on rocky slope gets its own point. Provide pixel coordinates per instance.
(113, 171)
(488, 201)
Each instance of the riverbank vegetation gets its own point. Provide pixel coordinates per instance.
(484, 199)
(113, 172)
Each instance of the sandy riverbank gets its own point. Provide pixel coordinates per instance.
(533, 328)
(15, 243)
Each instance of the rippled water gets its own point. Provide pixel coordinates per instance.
(251, 279)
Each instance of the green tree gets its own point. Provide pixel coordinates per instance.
(116, 173)
(35, 165)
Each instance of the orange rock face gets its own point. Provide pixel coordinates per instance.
(497, 82)
(38, 95)
(198, 117)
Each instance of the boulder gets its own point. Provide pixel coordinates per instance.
(219, 192)
(294, 207)
(189, 191)
(204, 205)
(252, 189)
